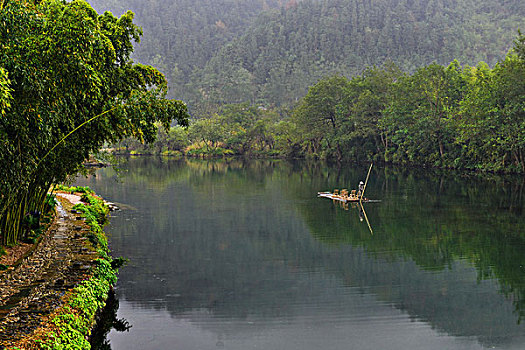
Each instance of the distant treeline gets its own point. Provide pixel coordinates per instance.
(268, 52)
(444, 116)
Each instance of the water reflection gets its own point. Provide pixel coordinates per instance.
(108, 322)
(242, 254)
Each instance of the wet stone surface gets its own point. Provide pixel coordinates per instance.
(34, 288)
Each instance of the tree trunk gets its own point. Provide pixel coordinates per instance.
(332, 119)
(339, 153)
(522, 160)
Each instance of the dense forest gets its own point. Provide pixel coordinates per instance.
(282, 54)
(181, 36)
(464, 117)
(269, 52)
(342, 79)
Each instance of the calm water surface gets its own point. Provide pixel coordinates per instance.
(243, 255)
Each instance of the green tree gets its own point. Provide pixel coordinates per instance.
(418, 117)
(177, 138)
(368, 96)
(510, 93)
(519, 46)
(320, 114)
(474, 126)
(74, 88)
(209, 131)
(491, 126)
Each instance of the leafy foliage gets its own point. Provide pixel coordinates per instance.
(457, 117)
(440, 116)
(72, 87)
(491, 121)
(236, 129)
(95, 214)
(5, 91)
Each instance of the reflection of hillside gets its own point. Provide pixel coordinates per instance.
(251, 240)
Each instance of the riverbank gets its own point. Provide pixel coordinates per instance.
(50, 298)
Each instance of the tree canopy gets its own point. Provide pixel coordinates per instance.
(445, 116)
(67, 86)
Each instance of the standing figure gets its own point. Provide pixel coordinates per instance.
(361, 189)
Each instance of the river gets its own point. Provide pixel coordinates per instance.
(244, 255)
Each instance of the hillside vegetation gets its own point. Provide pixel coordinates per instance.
(427, 83)
(269, 51)
(181, 36)
(464, 117)
(283, 53)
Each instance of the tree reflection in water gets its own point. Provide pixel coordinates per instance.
(244, 239)
(108, 321)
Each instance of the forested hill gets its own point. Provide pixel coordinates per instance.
(284, 53)
(180, 36)
(271, 51)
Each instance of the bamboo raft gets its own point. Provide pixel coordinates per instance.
(343, 196)
(348, 197)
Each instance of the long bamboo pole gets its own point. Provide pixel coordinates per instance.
(366, 181)
(71, 132)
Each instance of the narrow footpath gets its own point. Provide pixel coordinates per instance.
(34, 287)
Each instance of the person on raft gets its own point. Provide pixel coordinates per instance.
(361, 188)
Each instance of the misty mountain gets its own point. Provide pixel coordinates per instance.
(182, 35)
(283, 53)
(270, 51)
